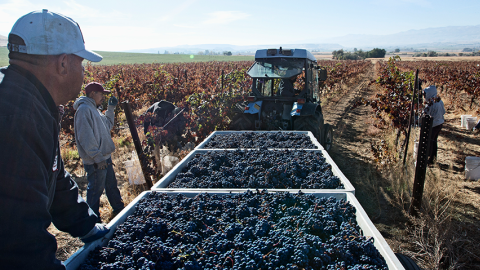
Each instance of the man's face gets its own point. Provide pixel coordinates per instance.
(76, 74)
(99, 97)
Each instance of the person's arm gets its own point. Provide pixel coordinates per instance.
(110, 113)
(26, 157)
(70, 213)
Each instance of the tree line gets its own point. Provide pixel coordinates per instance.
(358, 54)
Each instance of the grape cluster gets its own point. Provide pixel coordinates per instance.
(261, 139)
(281, 169)
(251, 230)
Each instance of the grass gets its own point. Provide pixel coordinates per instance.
(115, 58)
(69, 154)
(3, 56)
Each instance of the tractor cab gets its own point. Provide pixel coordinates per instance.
(273, 67)
(284, 94)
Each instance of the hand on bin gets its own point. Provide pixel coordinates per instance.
(98, 231)
(113, 101)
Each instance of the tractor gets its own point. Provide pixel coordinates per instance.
(285, 95)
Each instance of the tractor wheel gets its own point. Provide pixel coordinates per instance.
(407, 262)
(243, 121)
(308, 123)
(327, 137)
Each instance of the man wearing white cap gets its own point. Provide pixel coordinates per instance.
(435, 108)
(46, 51)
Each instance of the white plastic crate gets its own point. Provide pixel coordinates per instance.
(472, 168)
(471, 122)
(363, 221)
(134, 170)
(163, 183)
(463, 121)
(220, 133)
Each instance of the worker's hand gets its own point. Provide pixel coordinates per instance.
(102, 165)
(98, 231)
(113, 101)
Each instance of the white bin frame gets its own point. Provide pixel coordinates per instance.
(215, 133)
(170, 176)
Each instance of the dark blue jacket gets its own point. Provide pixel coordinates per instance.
(35, 190)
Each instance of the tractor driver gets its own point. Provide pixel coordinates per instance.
(286, 87)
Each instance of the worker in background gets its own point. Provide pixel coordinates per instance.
(435, 108)
(46, 51)
(286, 87)
(168, 117)
(95, 146)
(162, 111)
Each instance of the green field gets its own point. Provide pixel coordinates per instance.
(3, 56)
(115, 58)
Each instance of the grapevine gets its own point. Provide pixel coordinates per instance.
(206, 90)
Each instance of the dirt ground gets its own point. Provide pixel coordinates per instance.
(377, 185)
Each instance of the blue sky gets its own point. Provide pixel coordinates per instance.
(118, 25)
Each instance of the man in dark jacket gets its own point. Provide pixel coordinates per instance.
(45, 71)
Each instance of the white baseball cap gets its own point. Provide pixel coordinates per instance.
(50, 33)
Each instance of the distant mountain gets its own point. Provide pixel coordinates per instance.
(249, 49)
(452, 36)
(3, 41)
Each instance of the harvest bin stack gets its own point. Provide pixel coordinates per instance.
(225, 153)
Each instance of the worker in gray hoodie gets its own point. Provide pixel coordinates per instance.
(435, 108)
(95, 146)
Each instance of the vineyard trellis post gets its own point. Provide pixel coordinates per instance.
(414, 89)
(136, 141)
(421, 166)
(222, 79)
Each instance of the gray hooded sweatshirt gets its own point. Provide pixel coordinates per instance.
(436, 110)
(92, 131)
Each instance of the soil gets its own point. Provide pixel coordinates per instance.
(355, 132)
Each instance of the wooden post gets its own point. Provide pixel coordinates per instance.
(136, 141)
(414, 89)
(222, 79)
(421, 168)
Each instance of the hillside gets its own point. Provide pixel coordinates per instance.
(451, 37)
(439, 37)
(3, 41)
